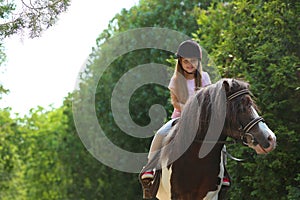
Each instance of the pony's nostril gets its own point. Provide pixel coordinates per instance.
(271, 138)
(272, 141)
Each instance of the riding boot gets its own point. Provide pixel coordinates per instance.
(153, 156)
(156, 145)
(150, 185)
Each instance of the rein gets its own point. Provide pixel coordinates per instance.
(226, 152)
(215, 142)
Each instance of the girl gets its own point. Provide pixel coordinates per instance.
(188, 75)
(187, 78)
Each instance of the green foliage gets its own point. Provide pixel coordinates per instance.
(43, 157)
(176, 15)
(258, 41)
(88, 178)
(44, 173)
(35, 16)
(10, 162)
(3, 91)
(29, 167)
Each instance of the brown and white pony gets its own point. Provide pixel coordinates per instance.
(191, 161)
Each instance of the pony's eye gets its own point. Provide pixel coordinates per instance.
(245, 105)
(247, 101)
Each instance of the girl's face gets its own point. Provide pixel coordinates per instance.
(189, 64)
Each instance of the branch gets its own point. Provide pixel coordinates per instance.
(40, 8)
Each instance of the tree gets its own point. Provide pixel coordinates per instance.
(11, 168)
(258, 41)
(176, 15)
(42, 155)
(33, 16)
(30, 167)
(30, 17)
(44, 174)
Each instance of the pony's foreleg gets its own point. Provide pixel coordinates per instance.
(164, 190)
(213, 195)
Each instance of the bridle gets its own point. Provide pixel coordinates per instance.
(245, 135)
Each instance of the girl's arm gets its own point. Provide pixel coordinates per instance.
(176, 104)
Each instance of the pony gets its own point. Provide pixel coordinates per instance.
(190, 164)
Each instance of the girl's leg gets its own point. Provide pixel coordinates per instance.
(157, 144)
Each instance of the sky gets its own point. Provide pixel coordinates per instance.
(42, 71)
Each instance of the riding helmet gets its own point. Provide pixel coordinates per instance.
(189, 49)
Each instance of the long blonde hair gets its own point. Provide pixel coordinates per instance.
(180, 87)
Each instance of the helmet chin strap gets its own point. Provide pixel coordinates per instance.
(188, 72)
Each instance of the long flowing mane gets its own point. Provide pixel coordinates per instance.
(195, 120)
(190, 164)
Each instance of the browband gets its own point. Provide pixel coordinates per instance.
(238, 93)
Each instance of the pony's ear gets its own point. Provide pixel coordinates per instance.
(248, 86)
(226, 85)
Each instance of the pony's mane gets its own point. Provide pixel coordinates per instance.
(203, 117)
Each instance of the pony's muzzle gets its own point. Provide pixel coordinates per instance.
(272, 141)
(267, 139)
(270, 147)
(266, 142)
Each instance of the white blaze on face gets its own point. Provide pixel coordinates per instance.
(255, 114)
(263, 126)
(268, 134)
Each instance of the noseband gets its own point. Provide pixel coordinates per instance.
(246, 137)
